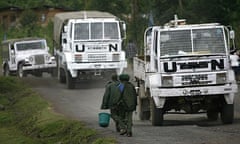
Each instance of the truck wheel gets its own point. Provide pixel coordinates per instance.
(61, 76)
(227, 113)
(156, 115)
(21, 72)
(144, 111)
(70, 81)
(6, 71)
(143, 102)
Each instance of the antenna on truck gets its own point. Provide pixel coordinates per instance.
(85, 15)
(175, 20)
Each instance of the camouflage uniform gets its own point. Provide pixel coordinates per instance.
(128, 103)
(111, 101)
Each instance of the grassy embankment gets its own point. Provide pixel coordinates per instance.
(28, 119)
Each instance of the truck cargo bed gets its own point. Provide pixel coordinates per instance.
(139, 67)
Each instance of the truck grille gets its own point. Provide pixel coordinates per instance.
(97, 57)
(39, 59)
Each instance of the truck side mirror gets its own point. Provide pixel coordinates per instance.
(65, 29)
(124, 27)
(123, 30)
(232, 34)
(12, 52)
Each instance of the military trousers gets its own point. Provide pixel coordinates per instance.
(118, 116)
(122, 119)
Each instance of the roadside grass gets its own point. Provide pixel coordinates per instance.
(26, 118)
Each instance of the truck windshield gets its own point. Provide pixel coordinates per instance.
(96, 31)
(194, 41)
(31, 46)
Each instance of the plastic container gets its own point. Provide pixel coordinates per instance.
(103, 119)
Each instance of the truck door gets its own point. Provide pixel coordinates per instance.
(12, 58)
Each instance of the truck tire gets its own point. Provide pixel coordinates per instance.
(143, 102)
(20, 71)
(144, 113)
(70, 81)
(227, 113)
(61, 76)
(6, 71)
(156, 115)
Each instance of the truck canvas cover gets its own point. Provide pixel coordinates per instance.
(61, 18)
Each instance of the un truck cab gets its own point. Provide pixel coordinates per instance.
(88, 44)
(186, 69)
(26, 56)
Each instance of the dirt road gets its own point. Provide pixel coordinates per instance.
(83, 104)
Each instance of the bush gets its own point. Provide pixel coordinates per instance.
(28, 18)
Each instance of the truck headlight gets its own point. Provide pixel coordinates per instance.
(78, 58)
(29, 60)
(221, 78)
(167, 81)
(52, 58)
(26, 60)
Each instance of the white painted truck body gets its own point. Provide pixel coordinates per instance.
(88, 43)
(185, 68)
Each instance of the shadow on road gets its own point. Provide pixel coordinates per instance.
(48, 81)
(201, 122)
(89, 84)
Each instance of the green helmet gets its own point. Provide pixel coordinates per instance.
(124, 77)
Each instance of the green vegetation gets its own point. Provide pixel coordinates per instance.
(31, 31)
(137, 13)
(27, 118)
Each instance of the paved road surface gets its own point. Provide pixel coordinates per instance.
(83, 104)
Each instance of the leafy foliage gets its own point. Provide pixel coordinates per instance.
(136, 13)
(28, 18)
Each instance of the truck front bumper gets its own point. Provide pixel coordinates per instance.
(101, 65)
(195, 91)
(39, 67)
(160, 94)
(74, 68)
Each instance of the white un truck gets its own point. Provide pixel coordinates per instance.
(186, 69)
(88, 44)
(26, 56)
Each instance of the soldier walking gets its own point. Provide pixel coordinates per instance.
(128, 103)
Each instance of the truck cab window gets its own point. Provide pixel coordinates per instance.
(111, 31)
(96, 31)
(81, 31)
